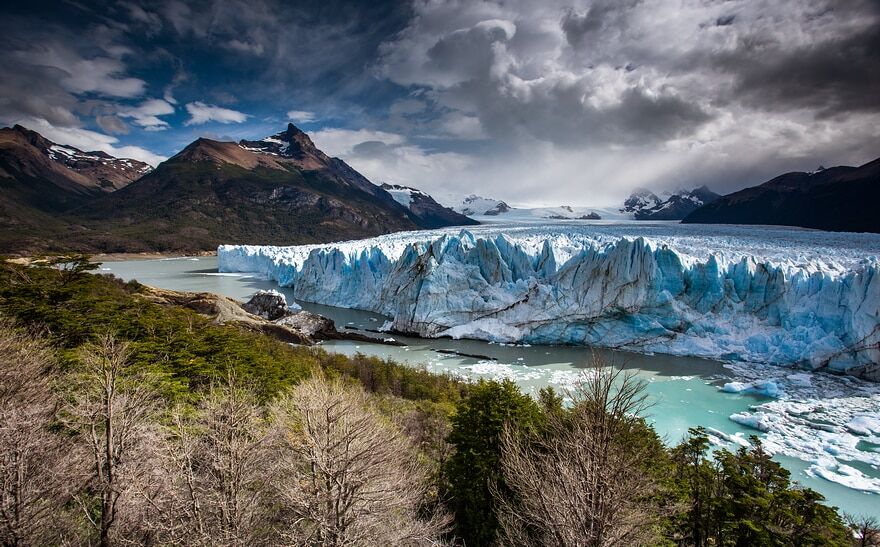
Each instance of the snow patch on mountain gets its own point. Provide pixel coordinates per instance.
(474, 205)
(74, 158)
(782, 297)
(403, 194)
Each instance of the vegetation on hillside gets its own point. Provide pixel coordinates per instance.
(126, 422)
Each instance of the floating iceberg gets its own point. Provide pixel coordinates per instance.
(777, 296)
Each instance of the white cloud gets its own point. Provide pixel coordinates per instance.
(301, 116)
(147, 114)
(339, 142)
(388, 157)
(462, 127)
(244, 46)
(88, 140)
(203, 113)
(100, 75)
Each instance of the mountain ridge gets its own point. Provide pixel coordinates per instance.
(644, 204)
(278, 190)
(841, 198)
(431, 213)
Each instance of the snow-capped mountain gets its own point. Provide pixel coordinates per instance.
(646, 205)
(640, 199)
(279, 189)
(109, 172)
(481, 207)
(27, 154)
(426, 208)
(474, 205)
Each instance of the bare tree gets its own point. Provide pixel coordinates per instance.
(866, 529)
(35, 478)
(583, 480)
(114, 408)
(214, 485)
(349, 477)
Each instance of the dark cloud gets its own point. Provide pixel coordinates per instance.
(601, 17)
(589, 97)
(835, 75)
(27, 90)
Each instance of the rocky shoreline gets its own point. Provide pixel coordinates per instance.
(266, 312)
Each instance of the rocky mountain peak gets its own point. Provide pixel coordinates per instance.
(646, 205)
(292, 143)
(294, 134)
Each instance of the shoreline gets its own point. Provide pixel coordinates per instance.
(121, 257)
(115, 257)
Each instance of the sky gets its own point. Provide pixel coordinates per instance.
(545, 102)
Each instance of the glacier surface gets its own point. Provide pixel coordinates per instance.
(766, 295)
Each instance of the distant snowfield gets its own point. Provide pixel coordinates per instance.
(553, 214)
(768, 295)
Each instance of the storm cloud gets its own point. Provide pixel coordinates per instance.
(561, 101)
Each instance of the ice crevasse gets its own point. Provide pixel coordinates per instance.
(635, 293)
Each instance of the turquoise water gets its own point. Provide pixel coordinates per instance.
(685, 391)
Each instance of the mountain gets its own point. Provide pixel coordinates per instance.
(645, 205)
(641, 199)
(478, 205)
(567, 212)
(50, 176)
(841, 199)
(430, 213)
(279, 190)
(40, 179)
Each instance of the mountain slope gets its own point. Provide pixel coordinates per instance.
(278, 190)
(40, 180)
(645, 205)
(216, 192)
(51, 177)
(430, 213)
(842, 199)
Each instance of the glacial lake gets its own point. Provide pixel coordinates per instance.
(687, 392)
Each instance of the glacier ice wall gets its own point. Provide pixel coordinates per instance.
(611, 291)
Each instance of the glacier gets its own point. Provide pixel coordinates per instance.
(765, 295)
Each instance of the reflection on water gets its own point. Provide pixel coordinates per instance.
(685, 390)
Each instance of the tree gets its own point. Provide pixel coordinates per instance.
(694, 471)
(113, 408)
(347, 476)
(36, 465)
(746, 498)
(216, 471)
(474, 469)
(865, 528)
(586, 479)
